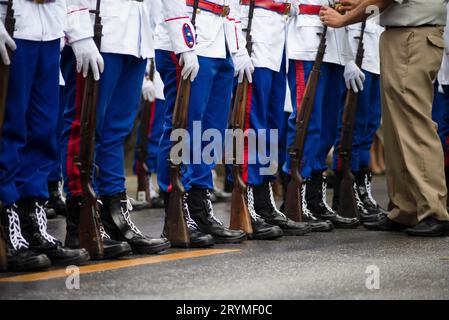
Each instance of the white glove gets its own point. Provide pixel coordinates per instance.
(189, 62)
(5, 41)
(148, 90)
(354, 77)
(88, 57)
(243, 65)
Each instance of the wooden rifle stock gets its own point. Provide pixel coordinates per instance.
(10, 23)
(89, 224)
(177, 231)
(143, 179)
(293, 205)
(347, 205)
(240, 217)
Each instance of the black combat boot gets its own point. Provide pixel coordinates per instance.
(199, 206)
(34, 228)
(362, 213)
(261, 229)
(56, 201)
(315, 196)
(20, 256)
(265, 207)
(117, 223)
(197, 238)
(363, 181)
(317, 225)
(112, 249)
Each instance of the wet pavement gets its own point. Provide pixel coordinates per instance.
(319, 265)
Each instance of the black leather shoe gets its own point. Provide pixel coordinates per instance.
(385, 224)
(429, 227)
(112, 249)
(34, 227)
(363, 181)
(219, 195)
(117, 223)
(199, 206)
(197, 238)
(55, 201)
(316, 202)
(157, 202)
(20, 257)
(265, 207)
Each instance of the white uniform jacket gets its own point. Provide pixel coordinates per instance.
(371, 61)
(268, 36)
(47, 22)
(126, 27)
(443, 76)
(212, 34)
(303, 37)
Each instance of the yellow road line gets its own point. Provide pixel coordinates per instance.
(114, 265)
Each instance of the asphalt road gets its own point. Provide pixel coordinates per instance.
(317, 266)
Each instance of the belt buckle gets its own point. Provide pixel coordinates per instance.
(39, 1)
(225, 11)
(288, 6)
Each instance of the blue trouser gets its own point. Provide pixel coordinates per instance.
(28, 143)
(210, 100)
(264, 111)
(155, 130)
(366, 124)
(332, 105)
(298, 75)
(440, 112)
(120, 89)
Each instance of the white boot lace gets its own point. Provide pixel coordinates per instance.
(15, 233)
(191, 224)
(125, 214)
(324, 199)
(210, 210)
(42, 222)
(250, 196)
(368, 190)
(305, 209)
(273, 202)
(360, 205)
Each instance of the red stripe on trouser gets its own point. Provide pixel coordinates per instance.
(73, 146)
(245, 128)
(178, 79)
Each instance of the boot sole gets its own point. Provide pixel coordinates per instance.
(79, 260)
(37, 263)
(267, 235)
(117, 251)
(429, 235)
(328, 228)
(297, 232)
(347, 226)
(237, 240)
(152, 249)
(199, 244)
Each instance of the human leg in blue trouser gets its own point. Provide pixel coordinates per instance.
(324, 115)
(28, 152)
(210, 100)
(366, 124)
(264, 113)
(298, 75)
(120, 88)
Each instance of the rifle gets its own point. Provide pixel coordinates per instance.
(177, 231)
(347, 205)
(293, 205)
(240, 218)
(89, 224)
(10, 23)
(143, 182)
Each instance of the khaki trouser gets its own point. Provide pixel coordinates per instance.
(410, 60)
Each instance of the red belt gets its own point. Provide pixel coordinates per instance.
(217, 9)
(309, 9)
(282, 8)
